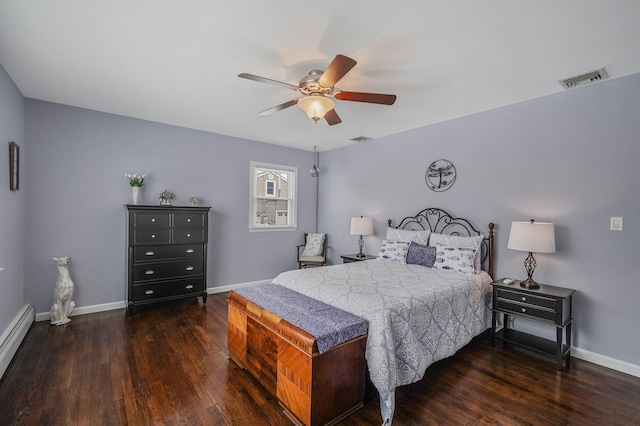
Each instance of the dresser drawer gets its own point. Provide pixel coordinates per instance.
(148, 235)
(144, 292)
(188, 219)
(530, 299)
(174, 269)
(144, 254)
(525, 309)
(185, 235)
(155, 218)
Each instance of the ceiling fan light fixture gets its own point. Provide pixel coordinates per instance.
(316, 106)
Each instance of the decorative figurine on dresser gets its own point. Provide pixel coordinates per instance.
(167, 254)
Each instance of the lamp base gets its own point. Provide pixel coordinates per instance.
(530, 284)
(360, 246)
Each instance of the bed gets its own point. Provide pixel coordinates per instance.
(416, 314)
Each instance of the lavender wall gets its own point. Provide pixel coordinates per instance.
(12, 205)
(570, 158)
(76, 191)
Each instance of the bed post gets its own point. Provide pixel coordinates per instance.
(491, 250)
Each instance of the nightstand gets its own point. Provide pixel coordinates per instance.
(349, 258)
(548, 305)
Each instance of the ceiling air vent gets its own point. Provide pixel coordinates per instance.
(361, 139)
(584, 79)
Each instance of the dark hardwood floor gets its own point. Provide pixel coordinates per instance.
(169, 366)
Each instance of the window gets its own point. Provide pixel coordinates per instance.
(273, 197)
(270, 188)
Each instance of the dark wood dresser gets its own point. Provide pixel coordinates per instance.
(167, 254)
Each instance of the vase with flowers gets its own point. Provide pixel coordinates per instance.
(136, 181)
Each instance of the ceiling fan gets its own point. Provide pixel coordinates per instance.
(318, 89)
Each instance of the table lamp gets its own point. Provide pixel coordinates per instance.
(533, 237)
(361, 226)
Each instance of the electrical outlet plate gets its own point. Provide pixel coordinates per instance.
(616, 224)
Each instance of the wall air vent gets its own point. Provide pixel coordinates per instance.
(361, 139)
(584, 79)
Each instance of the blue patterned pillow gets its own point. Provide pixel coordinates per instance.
(394, 250)
(419, 254)
(459, 241)
(458, 259)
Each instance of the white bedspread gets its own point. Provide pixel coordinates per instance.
(416, 315)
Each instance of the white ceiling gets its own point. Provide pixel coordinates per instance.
(177, 61)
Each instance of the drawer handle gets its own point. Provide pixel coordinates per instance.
(149, 253)
(148, 292)
(188, 235)
(189, 268)
(153, 235)
(149, 272)
(189, 286)
(188, 220)
(153, 219)
(524, 310)
(189, 250)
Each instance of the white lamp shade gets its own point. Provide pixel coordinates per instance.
(316, 106)
(535, 237)
(361, 226)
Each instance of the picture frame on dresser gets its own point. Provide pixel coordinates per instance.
(14, 166)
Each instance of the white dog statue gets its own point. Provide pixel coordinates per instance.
(63, 293)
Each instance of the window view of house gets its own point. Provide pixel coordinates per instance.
(273, 196)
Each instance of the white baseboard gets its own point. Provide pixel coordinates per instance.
(13, 336)
(605, 361)
(222, 289)
(44, 316)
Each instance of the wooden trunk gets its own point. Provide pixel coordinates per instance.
(313, 388)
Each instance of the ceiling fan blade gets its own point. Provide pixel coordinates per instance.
(337, 69)
(332, 117)
(267, 80)
(372, 98)
(277, 108)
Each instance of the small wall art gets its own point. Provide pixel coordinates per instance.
(14, 166)
(440, 175)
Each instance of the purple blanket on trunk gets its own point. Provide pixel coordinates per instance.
(329, 325)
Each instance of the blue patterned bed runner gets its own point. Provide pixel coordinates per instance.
(329, 325)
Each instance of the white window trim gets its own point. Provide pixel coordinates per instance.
(292, 191)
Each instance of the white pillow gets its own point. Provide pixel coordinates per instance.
(406, 235)
(394, 250)
(314, 245)
(458, 259)
(458, 241)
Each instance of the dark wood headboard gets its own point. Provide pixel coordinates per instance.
(440, 221)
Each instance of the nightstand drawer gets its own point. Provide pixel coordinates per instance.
(529, 299)
(525, 309)
(144, 254)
